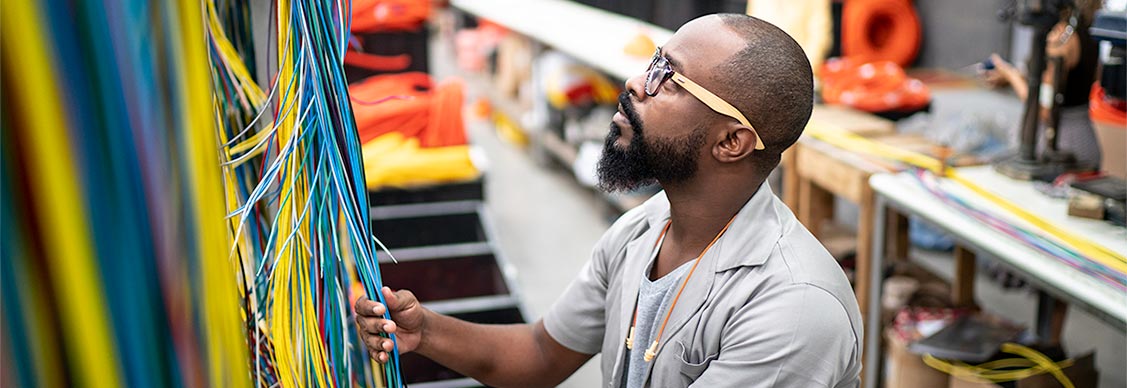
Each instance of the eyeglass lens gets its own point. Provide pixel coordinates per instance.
(656, 74)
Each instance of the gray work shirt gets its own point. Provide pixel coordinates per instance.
(768, 306)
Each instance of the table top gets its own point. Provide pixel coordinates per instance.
(591, 35)
(1044, 271)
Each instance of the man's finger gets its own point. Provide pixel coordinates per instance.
(379, 326)
(390, 297)
(359, 303)
(375, 348)
(368, 308)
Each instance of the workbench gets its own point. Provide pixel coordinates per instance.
(1058, 283)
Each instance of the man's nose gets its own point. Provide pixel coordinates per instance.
(636, 85)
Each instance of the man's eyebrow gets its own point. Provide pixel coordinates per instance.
(672, 62)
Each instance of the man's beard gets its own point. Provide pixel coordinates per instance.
(647, 161)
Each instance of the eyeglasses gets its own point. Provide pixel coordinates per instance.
(660, 70)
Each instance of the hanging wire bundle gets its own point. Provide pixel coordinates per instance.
(114, 268)
(296, 199)
(119, 265)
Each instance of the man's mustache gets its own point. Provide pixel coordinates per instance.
(627, 105)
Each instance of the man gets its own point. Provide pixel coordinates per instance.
(711, 283)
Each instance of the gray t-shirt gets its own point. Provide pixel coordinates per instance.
(654, 297)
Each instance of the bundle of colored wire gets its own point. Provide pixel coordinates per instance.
(297, 202)
(1098, 270)
(113, 261)
(1075, 250)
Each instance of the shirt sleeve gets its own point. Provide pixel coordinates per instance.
(799, 337)
(577, 320)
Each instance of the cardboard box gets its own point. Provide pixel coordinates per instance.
(907, 369)
(1113, 148)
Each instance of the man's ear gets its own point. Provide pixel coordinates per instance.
(736, 143)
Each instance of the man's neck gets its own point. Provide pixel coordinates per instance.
(698, 212)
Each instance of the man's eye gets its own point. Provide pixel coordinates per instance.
(671, 86)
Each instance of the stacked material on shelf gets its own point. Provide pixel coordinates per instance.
(380, 23)
(412, 105)
(412, 131)
(448, 257)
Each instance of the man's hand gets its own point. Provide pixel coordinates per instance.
(408, 323)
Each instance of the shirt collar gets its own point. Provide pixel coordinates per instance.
(750, 239)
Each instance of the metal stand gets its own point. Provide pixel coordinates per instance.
(1026, 165)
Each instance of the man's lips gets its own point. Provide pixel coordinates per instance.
(623, 124)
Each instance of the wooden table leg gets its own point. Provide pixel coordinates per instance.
(1050, 318)
(867, 284)
(962, 293)
(897, 234)
(790, 180)
(816, 205)
(865, 229)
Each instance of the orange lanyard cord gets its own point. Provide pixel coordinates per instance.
(634, 320)
(651, 352)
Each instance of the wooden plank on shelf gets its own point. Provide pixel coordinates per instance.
(436, 251)
(842, 118)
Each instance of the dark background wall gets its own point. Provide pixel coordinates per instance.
(957, 33)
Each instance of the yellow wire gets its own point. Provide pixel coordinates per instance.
(64, 222)
(1089, 249)
(226, 346)
(39, 321)
(989, 371)
(856, 143)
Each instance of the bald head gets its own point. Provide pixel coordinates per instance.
(769, 80)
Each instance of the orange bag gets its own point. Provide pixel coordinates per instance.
(408, 103)
(872, 87)
(875, 30)
(377, 62)
(445, 126)
(389, 15)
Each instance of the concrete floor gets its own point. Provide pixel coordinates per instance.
(546, 226)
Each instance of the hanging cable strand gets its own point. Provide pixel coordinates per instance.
(119, 272)
(297, 204)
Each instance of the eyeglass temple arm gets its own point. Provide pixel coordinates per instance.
(717, 104)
